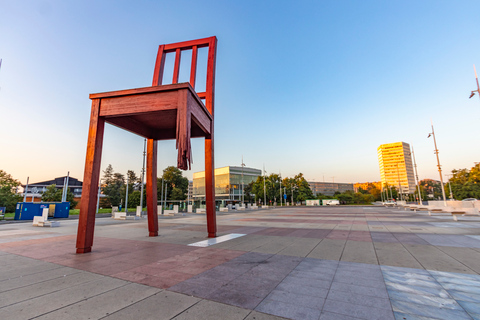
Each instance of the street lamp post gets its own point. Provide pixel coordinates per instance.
(478, 87)
(143, 172)
(450, 186)
(264, 188)
(416, 177)
(126, 196)
(293, 187)
(243, 165)
(399, 184)
(438, 164)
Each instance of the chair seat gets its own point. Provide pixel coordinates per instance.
(152, 112)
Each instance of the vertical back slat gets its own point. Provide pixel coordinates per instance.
(176, 68)
(193, 68)
(159, 66)
(210, 89)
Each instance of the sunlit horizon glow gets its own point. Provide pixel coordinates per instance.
(305, 86)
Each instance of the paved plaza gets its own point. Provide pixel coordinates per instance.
(296, 263)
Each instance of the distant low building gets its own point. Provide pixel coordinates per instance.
(35, 190)
(367, 185)
(228, 182)
(329, 188)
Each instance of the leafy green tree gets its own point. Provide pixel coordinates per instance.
(346, 197)
(303, 188)
(52, 194)
(321, 196)
(113, 186)
(465, 183)
(272, 186)
(431, 187)
(134, 199)
(132, 177)
(177, 184)
(8, 195)
(248, 194)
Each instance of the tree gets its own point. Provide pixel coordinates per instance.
(272, 186)
(52, 194)
(8, 195)
(177, 184)
(303, 188)
(431, 187)
(300, 186)
(134, 199)
(113, 186)
(346, 197)
(132, 177)
(248, 192)
(465, 183)
(108, 174)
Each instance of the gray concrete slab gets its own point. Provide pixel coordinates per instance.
(274, 247)
(45, 287)
(159, 306)
(300, 247)
(57, 300)
(103, 304)
(206, 310)
(359, 251)
(328, 249)
(434, 259)
(255, 315)
(468, 256)
(395, 254)
(29, 279)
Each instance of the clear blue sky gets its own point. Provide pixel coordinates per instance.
(301, 86)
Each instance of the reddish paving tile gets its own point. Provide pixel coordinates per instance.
(158, 282)
(338, 235)
(360, 236)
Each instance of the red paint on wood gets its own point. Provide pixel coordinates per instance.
(176, 68)
(173, 111)
(152, 209)
(159, 67)
(86, 221)
(193, 67)
(183, 131)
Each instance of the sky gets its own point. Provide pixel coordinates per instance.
(301, 86)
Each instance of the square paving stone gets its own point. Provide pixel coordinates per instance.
(163, 305)
(428, 311)
(361, 290)
(358, 311)
(206, 310)
(288, 310)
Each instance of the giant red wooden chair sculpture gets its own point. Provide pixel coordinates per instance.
(159, 112)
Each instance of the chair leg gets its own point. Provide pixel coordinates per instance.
(91, 176)
(152, 208)
(210, 188)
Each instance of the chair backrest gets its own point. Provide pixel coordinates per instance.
(211, 43)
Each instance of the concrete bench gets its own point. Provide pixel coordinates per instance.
(464, 212)
(119, 215)
(455, 213)
(201, 210)
(224, 209)
(42, 221)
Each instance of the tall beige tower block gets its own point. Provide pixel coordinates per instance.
(396, 169)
